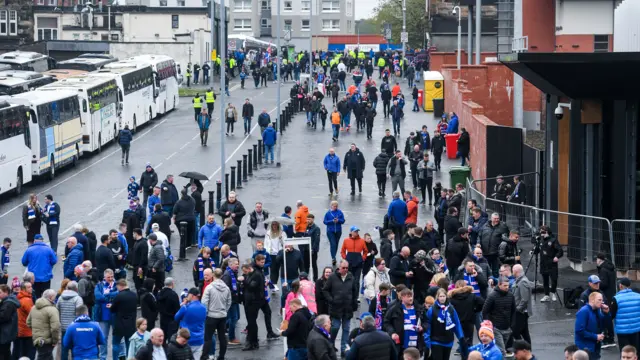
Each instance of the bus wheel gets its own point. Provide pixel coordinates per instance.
(135, 125)
(74, 160)
(52, 172)
(19, 182)
(99, 143)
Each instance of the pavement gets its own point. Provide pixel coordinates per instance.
(94, 194)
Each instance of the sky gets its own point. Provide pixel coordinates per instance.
(364, 8)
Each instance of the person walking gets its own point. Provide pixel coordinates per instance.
(442, 323)
(217, 300)
(233, 282)
(396, 115)
(84, 337)
(204, 121)
(178, 348)
(40, 259)
(123, 311)
(401, 322)
(148, 182)
(437, 148)
(264, 120)
(254, 299)
(44, 321)
(148, 302)
(297, 330)
(354, 250)
(192, 316)
(623, 308)
(354, 164)
(140, 259)
(340, 290)
(463, 146)
(425, 169)
(32, 218)
(332, 167)
(247, 114)
(388, 144)
(522, 291)
(590, 325)
(125, 136)
(67, 305)
(51, 218)
(184, 211)
(197, 106)
(334, 219)
(336, 120)
(269, 138)
(396, 170)
(210, 99)
(233, 209)
(231, 116)
(500, 309)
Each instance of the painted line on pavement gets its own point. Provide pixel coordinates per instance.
(118, 193)
(96, 209)
(185, 145)
(157, 166)
(68, 229)
(170, 156)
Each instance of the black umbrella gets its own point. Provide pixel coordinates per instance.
(193, 175)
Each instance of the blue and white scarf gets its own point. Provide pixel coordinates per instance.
(471, 281)
(82, 317)
(444, 316)
(230, 254)
(410, 323)
(234, 282)
(324, 332)
(52, 211)
(31, 212)
(378, 312)
(200, 268)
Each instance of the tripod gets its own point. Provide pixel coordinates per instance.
(535, 253)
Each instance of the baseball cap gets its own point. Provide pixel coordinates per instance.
(594, 279)
(625, 282)
(354, 228)
(363, 315)
(38, 237)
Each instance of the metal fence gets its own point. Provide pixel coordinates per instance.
(626, 239)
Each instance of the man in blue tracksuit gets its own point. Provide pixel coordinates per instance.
(269, 137)
(75, 258)
(590, 325)
(332, 166)
(192, 315)
(40, 259)
(397, 214)
(333, 219)
(84, 336)
(124, 139)
(209, 236)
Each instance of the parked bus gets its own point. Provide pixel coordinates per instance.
(61, 74)
(55, 129)
(137, 91)
(100, 107)
(27, 60)
(85, 63)
(15, 148)
(14, 82)
(166, 80)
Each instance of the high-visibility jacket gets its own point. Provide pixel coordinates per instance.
(381, 62)
(232, 63)
(197, 102)
(210, 97)
(361, 55)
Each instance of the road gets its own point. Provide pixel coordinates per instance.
(94, 193)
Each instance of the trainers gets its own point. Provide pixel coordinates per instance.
(554, 297)
(509, 354)
(275, 288)
(272, 336)
(608, 344)
(234, 342)
(545, 298)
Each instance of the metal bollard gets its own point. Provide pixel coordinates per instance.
(260, 152)
(182, 256)
(210, 204)
(283, 117)
(239, 175)
(202, 216)
(244, 168)
(282, 124)
(250, 166)
(226, 185)
(255, 157)
(218, 193)
(233, 178)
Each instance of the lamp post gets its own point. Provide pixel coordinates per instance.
(358, 32)
(279, 59)
(457, 9)
(311, 46)
(223, 56)
(404, 26)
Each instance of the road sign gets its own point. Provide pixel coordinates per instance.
(214, 54)
(404, 37)
(387, 31)
(232, 44)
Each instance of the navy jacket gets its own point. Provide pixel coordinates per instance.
(269, 136)
(125, 137)
(75, 258)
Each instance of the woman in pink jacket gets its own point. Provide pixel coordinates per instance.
(304, 290)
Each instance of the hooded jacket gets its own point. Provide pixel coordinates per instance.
(148, 180)
(176, 351)
(231, 236)
(83, 338)
(380, 163)
(135, 343)
(499, 308)
(209, 236)
(301, 219)
(456, 251)
(354, 164)
(589, 323)
(74, 258)
(466, 303)
(269, 136)
(333, 226)
(332, 163)
(489, 352)
(9, 319)
(217, 299)
(44, 322)
(608, 279)
(67, 304)
(26, 303)
(39, 259)
(156, 257)
(412, 211)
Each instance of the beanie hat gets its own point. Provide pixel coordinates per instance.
(486, 328)
(15, 283)
(132, 178)
(132, 205)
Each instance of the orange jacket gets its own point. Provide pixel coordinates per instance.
(395, 90)
(352, 89)
(354, 246)
(412, 211)
(335, 118)
(301, 219)
(26, 303)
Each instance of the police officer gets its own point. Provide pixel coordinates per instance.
(210, 99)
(197, 106)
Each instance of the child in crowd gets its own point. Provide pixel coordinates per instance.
(133, 188)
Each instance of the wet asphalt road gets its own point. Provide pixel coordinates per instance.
(94, 193)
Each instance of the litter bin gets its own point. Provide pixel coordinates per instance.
(438, 108)
(420, 97)
(451, 141)
(459, 175)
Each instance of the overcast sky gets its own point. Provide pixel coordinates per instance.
(364, 8)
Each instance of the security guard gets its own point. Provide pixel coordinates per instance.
(188, 75)
(197, 106)
(210, 98)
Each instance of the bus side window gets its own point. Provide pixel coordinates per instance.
(27, 135)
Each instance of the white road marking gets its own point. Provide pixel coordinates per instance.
(69, 228)
(157, 166)
(96, 209)
(185, 145)
(118, 193)
(170, 156)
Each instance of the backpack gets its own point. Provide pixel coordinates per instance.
(168, 261)
(572, 297)
(312, 320)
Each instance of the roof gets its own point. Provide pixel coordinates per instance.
(79, 82)
(20, 56)
(37, 97)
(432, 75)
(580, 75)
(353, 39)
(21, 74)
(63, 73)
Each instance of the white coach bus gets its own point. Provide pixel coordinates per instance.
(15, 148)
(166, 80)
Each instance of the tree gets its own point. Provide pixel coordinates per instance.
(390, 12)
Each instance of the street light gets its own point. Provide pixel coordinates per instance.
(457, 10)
(358, 31)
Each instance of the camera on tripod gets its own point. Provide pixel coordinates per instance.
(536, 240)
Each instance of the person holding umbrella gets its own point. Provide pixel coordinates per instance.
(274, 243)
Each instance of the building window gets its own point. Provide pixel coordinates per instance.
(265, 23)
(349, 26)
(242, 5)
(331, 5)
(3, 22)
(13, 23)
(287, 25)
(600, 43)
(40, 2)
(115, 37)
(87, 36)
(330, 25)
(163, 2)
(266, 4)
(76, 36)
(305, 25)
(181, 3)
(48, 34)
(242, 24)
(175, 21)
(104, 37)
(305, 5)
(52, 2)
(349, 8)
(288, 5)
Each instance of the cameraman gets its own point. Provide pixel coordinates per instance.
(550, 252)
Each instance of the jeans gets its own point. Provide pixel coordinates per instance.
(501, 338)
(336, 130)
(52, 231)
(247, 124)
(232, 320)
(105, 326)
(268, 149)
(197, 351)
(396, 126)
(297, 354)
(346, 328)
(416, 107)
(333, 180)
(334, 240)
(206, 77)
(374, 103)
(347, 119)
(116, 346)
(343, 87)
(425, 187)
(125, 152)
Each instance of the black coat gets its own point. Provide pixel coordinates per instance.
(176, 351)
(389, 145)
(146, 352)
(93, 245)
(148, 305)
(342, 296)
(140, 255)
(549, 249)
(295, 264)
(398, 266)
(168, 193)
(437, 144)
(298, 329)
(148, 180)
(451, 226)
(499, 308)
(104, 260)
(320, 347)
(507, 252)
(521, 196)
(373, 345)
(394, 319)
(321, 302)
(247, 110)
(235, 296)
(184, 209)
(354, 164)
(386, 250)
(380, 163)
(195, 272)
(464, 144)
(456, 251)
(490, 238)
(254, 289)
(231, 236)
(164, 223)
(466, 303)
(168, 303)
(238, 210)
(124, 313)
(607, 275)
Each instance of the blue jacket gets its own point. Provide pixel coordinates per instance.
(267, 257)
(100, 310)
(628, 302)
(457, 329)
(288, 229)
(452, 128)
(398, 209)
(209, 236)
(489, 351)
(39, 259)
(151, 203)
(204, 123)
(331, 225)
(269, 136)
(192, 316)
(589, 323)
(75, 258)
(83, 337)
(475, 229)
(125, 137)
(332, 163)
